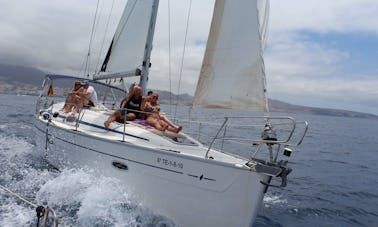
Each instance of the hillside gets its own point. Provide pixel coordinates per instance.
(19, 74)
(27, 80)
(279, 106)
(20, 79)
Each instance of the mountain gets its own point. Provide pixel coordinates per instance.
(167, 97)
(279, 106)
(14, 74)
(20, 79)
(27, 80)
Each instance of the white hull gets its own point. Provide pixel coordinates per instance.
(190, 190)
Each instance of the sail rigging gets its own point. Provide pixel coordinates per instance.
(167, 169)
(128, 44)
(232, 74)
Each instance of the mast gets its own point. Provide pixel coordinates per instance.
(147, 53)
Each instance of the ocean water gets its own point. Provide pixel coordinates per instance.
(334, 180)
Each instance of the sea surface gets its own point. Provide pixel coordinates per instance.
(334, 180)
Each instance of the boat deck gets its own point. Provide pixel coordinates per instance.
(91, 122)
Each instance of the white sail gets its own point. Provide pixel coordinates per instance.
(232, 74)
(128, 45)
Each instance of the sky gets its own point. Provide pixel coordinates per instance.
(319, 53)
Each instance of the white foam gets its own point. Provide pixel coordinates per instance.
(11, 146)
(94, 200)
(17, 176)
(13, 214)
(274, 200)
(78, 196)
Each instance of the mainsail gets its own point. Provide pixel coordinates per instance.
(126, 52)
(233, 74)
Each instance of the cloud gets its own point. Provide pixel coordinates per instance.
(307, 71)
(51, 35)
(300, 69)
(185, 70)
(343, 16)
(293, 54)
(54, 36)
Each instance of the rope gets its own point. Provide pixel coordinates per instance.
(40, 210)
(86, 70)
(18, 196)
(183, 55)
(103, 39)
(169, 57)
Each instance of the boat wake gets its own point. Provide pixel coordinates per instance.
(272, 200)
(78, 196)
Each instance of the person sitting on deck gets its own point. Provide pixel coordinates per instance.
(74, 97)
(154, 117)
(90, 95)
(130, 107)
(83, 95)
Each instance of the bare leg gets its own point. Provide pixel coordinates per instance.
(67, 108)
(172, 127)
(68, 105)
(112, 118)
(175, 130)
(154, 122)
(117, 115)
(78, 103)
(129, 116)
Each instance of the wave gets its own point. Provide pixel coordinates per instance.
(19, 131)
(78, 196)
(271, 199)
(351, 216)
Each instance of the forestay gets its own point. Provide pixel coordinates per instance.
(233, 74)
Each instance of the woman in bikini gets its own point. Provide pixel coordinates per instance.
(154, 118)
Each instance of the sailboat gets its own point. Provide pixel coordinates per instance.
(174, 174)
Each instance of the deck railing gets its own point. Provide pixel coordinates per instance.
(290, 133)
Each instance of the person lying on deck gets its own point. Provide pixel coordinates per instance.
(151, 107)
(129, 107)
